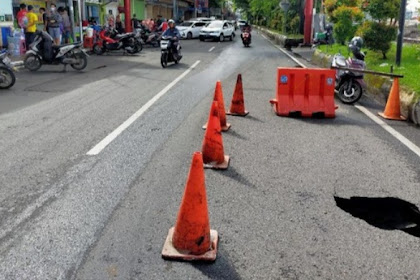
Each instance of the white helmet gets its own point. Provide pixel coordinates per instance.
(171, 21)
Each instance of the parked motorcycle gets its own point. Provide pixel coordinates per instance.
(42, 51)
(350, 84)
(7, 77)
(325, 37)
(168, 55)
(148, 37)
(111, 40)
(246, 38)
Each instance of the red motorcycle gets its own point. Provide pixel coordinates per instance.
(111, 40)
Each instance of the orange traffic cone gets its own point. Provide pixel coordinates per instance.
(237, 107)
(213, 152)
(191, 239)
(218, 96)
(392, 108)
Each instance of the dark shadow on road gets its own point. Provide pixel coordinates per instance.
(387, 213)
(236, 134)
(233, 174)
(221, 269)
(253, 118)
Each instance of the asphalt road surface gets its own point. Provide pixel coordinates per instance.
(282, 209)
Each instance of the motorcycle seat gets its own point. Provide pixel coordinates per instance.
(63, 45)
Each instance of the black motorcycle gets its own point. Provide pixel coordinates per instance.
(148, 37)
(42, 51)
(7, 77)
(167, 46)
(111, 40)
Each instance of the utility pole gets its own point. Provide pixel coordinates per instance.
(175, 12)
(400, 32)
(195, 8)
(79, 8)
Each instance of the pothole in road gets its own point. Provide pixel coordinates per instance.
(387, 213)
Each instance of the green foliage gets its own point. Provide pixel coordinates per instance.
(347, 20)
(382, 10)
(378, 36)
(294, 25)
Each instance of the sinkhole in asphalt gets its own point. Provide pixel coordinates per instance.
(387, 213)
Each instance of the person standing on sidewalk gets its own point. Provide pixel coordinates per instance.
(31, 26)
(66, 25)
(53, 21)
(21, 16)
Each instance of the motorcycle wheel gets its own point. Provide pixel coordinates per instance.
(133, 45)
(139, 46)
(32, 62)
(164, 60)
(82, 63)
(98, 50)
(350, 97)
(8, 77)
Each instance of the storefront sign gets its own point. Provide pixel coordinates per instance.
(93, 1)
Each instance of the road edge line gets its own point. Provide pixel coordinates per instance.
(114, 134)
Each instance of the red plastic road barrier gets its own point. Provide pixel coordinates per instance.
(307, 91)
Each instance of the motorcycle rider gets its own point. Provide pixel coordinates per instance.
(246, 28)
(355, 46)
(175, 35)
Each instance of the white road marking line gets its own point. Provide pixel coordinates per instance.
(392, 131)
(286, 53)
(212, 49)
(415, 149)
(107, 140)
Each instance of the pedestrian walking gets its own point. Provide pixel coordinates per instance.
(66, 25)
(31, 26)
(53, 21)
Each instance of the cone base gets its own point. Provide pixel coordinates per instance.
(218, 166)
(169, 252)
(236, 114)
(401, 118)
(224, 128)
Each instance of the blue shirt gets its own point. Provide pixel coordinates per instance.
(172, 32)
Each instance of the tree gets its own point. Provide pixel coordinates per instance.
(347, 19)
(378, 36)
(381, 10)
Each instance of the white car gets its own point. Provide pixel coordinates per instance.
(218, 30)
(190, 29)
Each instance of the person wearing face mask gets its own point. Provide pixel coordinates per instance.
(53, 21)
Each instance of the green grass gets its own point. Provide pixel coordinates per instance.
(410, 62)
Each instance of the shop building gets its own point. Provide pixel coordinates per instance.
(165, 8)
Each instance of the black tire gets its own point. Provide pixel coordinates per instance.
(164, 60)
(32, 62)
(98, 50)
(189, 36)
(82, 64)
(352, 97)
(133, 45)
(221, 37)
(201, 39)
(8, 76)
(139, 46)
(231, 38)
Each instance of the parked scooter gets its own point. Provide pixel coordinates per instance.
(111, 40)
(7, 77)
(168, 55)
(349, 85)
(42, 51)
(148, 37)
(324, 38)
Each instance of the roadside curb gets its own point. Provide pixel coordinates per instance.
(280, 39)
